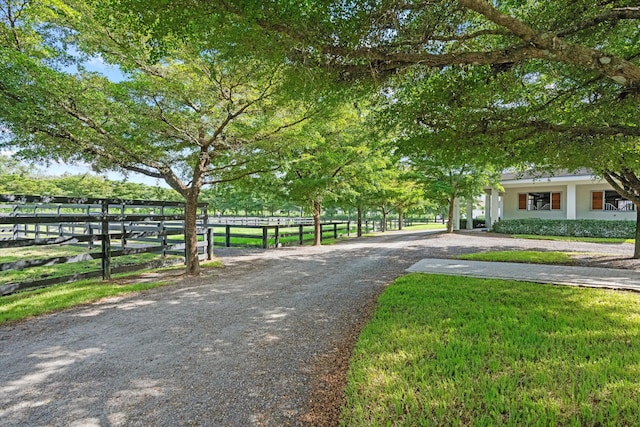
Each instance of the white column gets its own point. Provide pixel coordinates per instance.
(572, 207)
(495, 205)
(456, 214)
(470, 215)
(487, 208)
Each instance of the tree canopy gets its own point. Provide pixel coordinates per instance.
(209, 90)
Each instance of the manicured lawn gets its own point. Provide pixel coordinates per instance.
(573, 239)
(429, 226)
(443, 350)
(40, 252)
(54, 298)
(60, 270)
(534, 257)
(40, 301)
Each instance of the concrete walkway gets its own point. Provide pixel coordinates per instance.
(558, 274)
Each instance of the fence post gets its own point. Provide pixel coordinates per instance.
(335, 230)
(301, 234)
(265, 231)
(106, 243)
(209, 233)
(162, 234)
(348, 228)
(36, 226)
(278, 234)
(16, 227)
(89, 229)
(227, 236)
(123, 228)
(60, 229)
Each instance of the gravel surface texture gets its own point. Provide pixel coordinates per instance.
(264, 341)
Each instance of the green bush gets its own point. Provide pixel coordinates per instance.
(567, 227)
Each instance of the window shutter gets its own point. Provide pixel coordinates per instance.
(522, 201)
(555, 201)
(596, 200)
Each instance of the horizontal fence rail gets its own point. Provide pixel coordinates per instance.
(101, 229)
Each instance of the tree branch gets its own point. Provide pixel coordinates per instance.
(554, 48)
(617, 14)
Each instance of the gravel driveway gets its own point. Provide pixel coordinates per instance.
(264, 341)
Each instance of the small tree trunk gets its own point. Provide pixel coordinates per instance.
(190, 235)
(383, 227)
(452, 202)
(317, 230)
(359, 221)
(400, 219)
(636, 248)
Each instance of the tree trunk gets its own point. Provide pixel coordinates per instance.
(452, 202)
(359, 221)
(636, 247)
(400, 219)
(383, 226)
(190, 235)
(317, 230)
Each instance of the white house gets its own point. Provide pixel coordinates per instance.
(562, 196)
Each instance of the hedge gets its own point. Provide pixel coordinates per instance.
(567, 227)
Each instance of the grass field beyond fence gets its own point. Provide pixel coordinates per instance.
(444, 350)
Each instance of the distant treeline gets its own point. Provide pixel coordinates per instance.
(16, 178)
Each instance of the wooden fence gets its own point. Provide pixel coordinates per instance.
(276, 232)
(121, 227)
(267, 236)
(108, 228)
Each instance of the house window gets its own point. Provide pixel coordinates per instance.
(539, 201)
(610, 200)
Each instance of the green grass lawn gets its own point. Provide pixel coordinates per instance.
(36, 302)
(429, 226)
(443, 350)
(573, 239)
(41, 301)
(534, 257)
(60, 270)
(40, 252)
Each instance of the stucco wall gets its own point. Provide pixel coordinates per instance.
(583, 205)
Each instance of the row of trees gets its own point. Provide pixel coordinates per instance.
(207, 93)
(17, 178)
(396, 191)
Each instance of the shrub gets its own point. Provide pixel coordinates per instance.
(567, 227)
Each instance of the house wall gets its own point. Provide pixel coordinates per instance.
(583, 202)
(583, 205)
(510, 202)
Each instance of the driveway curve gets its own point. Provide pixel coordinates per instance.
(262, 342)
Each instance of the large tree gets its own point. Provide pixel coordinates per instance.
(382, 37)
(188, 115)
